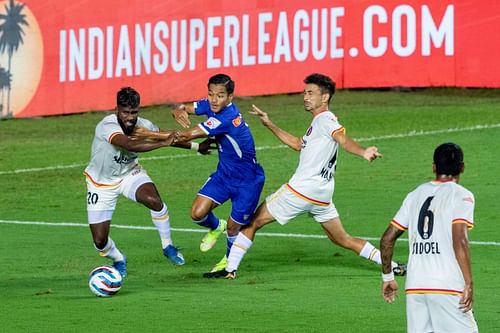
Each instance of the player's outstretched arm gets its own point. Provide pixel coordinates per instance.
(144, 133)
(353, 147)
(181, 114)
(285, 137)
(180, 139)
(143, 144)
(461, 248)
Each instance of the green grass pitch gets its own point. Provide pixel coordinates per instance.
(285, 284)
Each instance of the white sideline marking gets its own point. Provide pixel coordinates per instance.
(372, 138)
(134, 227)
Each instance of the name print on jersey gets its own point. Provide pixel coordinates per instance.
(122, 159)
(326, 172)
(425, 248)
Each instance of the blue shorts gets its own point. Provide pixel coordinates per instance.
(244, 197)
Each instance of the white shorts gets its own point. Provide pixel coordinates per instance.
(284, 205)
(437, 313)
(101, 200)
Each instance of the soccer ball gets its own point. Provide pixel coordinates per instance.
(105, 281)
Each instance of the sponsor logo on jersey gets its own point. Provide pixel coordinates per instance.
(212, 123)
(309, 130)
(122, 159)
(237, 121)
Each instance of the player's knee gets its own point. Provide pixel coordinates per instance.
(100, 242)
(197, 213)
(153, 202)
(233, 229)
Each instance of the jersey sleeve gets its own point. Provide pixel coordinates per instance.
(147, 124)
(463, 211)
(402, 218)
(201, 107)
(331, 125)
(108, 130)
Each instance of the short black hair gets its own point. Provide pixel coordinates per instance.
(128, 97)
(325, 83)
(223, 79)
(449, 159)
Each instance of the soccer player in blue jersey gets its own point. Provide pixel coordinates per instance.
(239, 177)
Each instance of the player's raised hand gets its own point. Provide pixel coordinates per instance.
(371, 153)
(390, 291)
(261, 114)
(206, 146)
(181, 115)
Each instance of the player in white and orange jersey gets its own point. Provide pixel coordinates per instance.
(437, 215)
(310, 189)
(114, 170)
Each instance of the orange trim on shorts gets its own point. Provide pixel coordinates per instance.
(469, 224)
(396, 225)
(303, 197)
(434, 291)
(96, 184)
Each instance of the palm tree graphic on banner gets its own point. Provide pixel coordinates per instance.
(11, 37)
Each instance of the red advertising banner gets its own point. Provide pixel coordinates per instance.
(61, 57)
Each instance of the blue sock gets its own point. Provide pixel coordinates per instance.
(230, 241)
(209, 221)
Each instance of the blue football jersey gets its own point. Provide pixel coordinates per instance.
(237, 158)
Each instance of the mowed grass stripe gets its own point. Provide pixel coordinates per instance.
(374, 138)
(268, 234)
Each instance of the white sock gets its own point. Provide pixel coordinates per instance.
(161, 220)
(370, 252)
(111, 251)
(238, 250)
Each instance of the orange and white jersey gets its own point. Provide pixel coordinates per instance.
(428, 214)
(109, 163)
(313, 179)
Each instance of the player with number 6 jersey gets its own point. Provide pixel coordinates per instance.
(437, 215)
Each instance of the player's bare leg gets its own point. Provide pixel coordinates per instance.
(100, 233)
(201, 214)
(148, 195)
(106, 246)
(336, 233)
